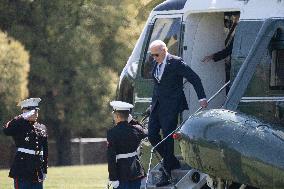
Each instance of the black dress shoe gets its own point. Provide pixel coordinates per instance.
(164, 180)
(161, 169)
(175, 166)
(163, 183)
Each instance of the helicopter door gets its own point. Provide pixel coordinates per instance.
(205, 34)
(168, 29)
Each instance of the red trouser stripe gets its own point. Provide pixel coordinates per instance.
(17, 183)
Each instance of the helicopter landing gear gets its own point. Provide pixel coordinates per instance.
(224, 184)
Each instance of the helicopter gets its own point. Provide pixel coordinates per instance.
(239, 138)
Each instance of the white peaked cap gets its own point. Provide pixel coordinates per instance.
(30, 102)
(119, 105)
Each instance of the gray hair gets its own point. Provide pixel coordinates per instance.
(158, 43)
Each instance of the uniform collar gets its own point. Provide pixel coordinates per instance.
(122, 123)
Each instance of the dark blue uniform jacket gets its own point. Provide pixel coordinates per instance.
(32, 136)
(124, 138)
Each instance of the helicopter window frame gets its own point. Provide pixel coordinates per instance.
(174, 28)
(277, 70)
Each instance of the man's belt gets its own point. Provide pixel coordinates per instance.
(28, 151)
(128, 155)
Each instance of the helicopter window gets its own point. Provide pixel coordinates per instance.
(277, 70)
(167, 30)
(264, 97)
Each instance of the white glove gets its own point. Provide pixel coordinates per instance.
(28, 114)
(44, 176)
(114, 184)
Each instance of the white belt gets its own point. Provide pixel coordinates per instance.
(128, 155)
(32, 152)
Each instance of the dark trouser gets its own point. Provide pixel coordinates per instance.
(19, 183)
(228, 75)
(168, 123)
(133, 184)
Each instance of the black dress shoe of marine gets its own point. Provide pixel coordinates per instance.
(164, 181)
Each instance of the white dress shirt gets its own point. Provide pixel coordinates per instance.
(162, 68)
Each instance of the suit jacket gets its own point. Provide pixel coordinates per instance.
(169, 91)
(32, 136)
(122, 139)
(220, 55)
(227, 51)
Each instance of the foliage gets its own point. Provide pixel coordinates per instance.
(14, 68)
(77, 50)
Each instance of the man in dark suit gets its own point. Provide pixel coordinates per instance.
(29, 167)
(168, 101)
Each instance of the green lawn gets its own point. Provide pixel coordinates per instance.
(78, 177)
(73, 177)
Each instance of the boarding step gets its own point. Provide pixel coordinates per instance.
(182, 179)
(176, 175)
(183, 164)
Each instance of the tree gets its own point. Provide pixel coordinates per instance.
(14, 68)
(77, 50)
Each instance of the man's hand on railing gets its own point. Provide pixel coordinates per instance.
(203, 103)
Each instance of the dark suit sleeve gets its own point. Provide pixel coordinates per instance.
(143, 133)
(184, 70)
(111, 158)
(13, 127)
(45, 155)
(224, 53)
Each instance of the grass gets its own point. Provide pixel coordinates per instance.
(78, 177)
(71, 177)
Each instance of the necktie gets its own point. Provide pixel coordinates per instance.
(158, 70)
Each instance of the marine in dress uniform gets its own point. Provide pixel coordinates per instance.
(168, 101)
(29, 167)
(124, 167)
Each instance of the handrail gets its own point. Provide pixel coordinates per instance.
(153, 150)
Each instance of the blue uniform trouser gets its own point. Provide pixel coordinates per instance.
(167, 122)
(133, 184)
(19, 183)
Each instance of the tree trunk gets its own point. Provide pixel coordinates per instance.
(63, 145)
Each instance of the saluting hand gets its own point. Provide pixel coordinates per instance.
(30, 115)
(32, 118)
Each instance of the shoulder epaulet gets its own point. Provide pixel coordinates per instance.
(137, 126)
(134, 122)
(40, 126)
